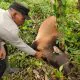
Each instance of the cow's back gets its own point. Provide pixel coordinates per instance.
(48, 28)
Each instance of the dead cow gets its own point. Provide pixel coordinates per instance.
(45, 42)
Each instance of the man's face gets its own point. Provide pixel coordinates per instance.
(18, 18)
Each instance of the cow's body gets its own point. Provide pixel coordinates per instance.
(45, 41)
(47, 33)
(46, 37)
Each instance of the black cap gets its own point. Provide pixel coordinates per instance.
(20, 8)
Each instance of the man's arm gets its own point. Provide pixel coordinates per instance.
(16, 41)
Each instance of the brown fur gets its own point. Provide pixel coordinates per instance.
(47, 35)
(45, 40)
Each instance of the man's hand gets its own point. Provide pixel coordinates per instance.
(2, 55)
(38, 54)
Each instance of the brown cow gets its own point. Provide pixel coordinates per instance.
(46, 36)
(45, 42)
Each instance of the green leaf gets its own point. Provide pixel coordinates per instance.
(61, 68)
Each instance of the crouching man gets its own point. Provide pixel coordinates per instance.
(9, 22)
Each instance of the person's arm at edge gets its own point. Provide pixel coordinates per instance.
(17, 42)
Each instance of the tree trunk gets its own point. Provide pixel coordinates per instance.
(59, 7)
(78, 5)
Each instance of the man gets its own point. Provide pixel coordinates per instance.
(9, 22)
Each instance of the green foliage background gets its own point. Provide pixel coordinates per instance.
(68, 25)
